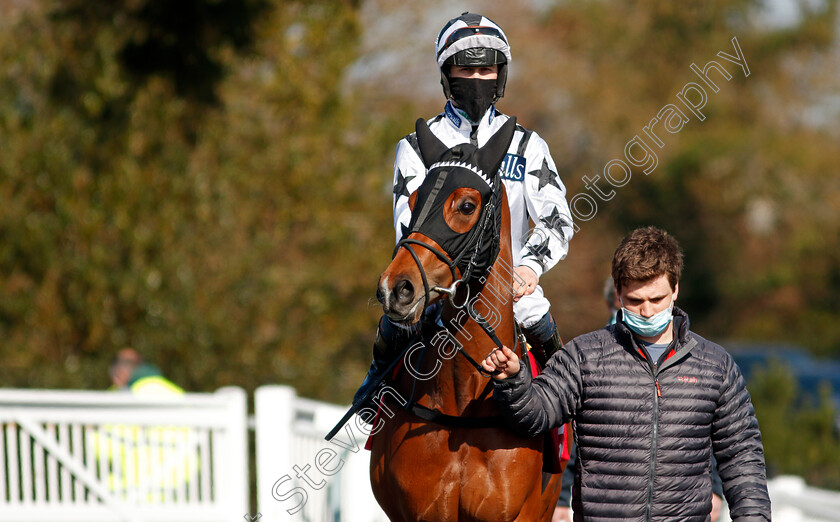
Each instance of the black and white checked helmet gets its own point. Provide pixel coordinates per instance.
(472, 40)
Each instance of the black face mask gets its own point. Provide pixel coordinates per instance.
(473, 95)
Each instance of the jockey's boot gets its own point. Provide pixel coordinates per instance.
(544, 339)
(385, 348)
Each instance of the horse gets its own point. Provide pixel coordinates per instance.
(449, 456)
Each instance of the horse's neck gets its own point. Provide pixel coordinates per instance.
(457, 388)
(460, 383)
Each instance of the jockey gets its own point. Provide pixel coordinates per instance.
(473, 57)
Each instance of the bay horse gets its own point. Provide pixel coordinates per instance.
(449, 457)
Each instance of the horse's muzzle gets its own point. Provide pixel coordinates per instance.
(400, 300)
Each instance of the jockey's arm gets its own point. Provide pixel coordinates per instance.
(409, 173)
(545, 200)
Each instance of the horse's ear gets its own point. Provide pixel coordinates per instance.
(493, 152)
(431, 148)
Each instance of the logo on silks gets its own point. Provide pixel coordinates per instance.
(464, 165)
(513, 167)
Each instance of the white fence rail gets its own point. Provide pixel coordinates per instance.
(301, 476)
(794, 501)
(74, 456)
(99, 456)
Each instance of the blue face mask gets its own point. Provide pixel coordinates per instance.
(648, 326)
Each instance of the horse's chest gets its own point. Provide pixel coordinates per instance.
(440, 474)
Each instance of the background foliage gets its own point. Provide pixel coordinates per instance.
(208, 181)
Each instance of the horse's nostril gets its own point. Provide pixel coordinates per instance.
(380, 295)
(404, 292)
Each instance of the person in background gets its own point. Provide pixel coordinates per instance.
(611, 298)
(143, 458)
(130, 372)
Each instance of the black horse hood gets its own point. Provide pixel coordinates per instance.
(463, 165)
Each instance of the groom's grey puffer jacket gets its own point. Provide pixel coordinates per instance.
(644, 431)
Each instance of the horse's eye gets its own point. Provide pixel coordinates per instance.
(466, 208)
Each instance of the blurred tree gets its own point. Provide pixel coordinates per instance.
(182, 41)
(231, 245)
(748, 191)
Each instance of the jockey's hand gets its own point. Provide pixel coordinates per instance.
(561, 514)
(717, 503)
(525, 282)
(504, 360)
